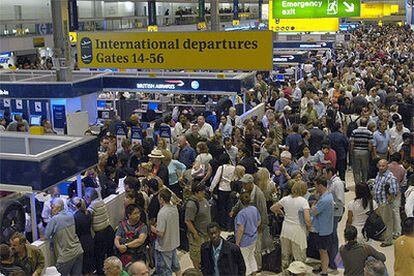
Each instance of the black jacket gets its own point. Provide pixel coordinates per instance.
(230, 261)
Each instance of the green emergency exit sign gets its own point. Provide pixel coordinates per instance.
(286, 9)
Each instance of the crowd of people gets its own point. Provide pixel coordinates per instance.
(277, 182)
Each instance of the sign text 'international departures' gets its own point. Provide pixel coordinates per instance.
(288, 9)
(250, 50)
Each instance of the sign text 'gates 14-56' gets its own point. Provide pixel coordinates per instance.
(199, 51)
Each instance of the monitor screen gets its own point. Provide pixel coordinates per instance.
(35, 120)
(1, 114)
(13, 115)
(101, 104)
(153, 106)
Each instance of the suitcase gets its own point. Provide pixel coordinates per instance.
(272, 260)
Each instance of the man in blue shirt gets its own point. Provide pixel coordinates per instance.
(185, 153)
(247, 222)
(294, 141)
(382, 140)
(281, 103)
(322, 221)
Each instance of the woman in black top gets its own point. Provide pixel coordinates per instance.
(83, 221)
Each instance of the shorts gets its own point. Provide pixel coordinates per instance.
(323, 242)
(195, 247)
(166, 262)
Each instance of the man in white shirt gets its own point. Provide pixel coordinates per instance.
(234, 119)
(204, 129)
(396, 134)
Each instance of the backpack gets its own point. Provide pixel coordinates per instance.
(184, 244)
(352, 126)
(374, 226)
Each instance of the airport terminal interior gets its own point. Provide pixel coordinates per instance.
(206, 138)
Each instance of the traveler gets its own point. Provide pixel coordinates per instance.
(7, 267)
(61, 231)
(168, 237)
(175, 172)
(317, 137)
(247, 160)
(113, 267)
(104, 234)
(220, 257)
(385, 191)
(403, 250)
(396, 134)
(400, 174)
(83, 224)
(295, 210)
(158, 168)
(27, 256)
(409, 198)
(197, 218)
(361, 145)
(339, 143)
(221, 185)
(285, 171)
(234, 119)
(336, 188)
(246, 223)
(354, 254)
(231, 150)
(131, 236)
(322, 222)
(382, 140)
(359, 207)
(185, 153)
(138, 269)
(204, 129)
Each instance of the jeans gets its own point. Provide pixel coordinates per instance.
(72, 267)
(223, 209)
(103, 244)
(333, 249)
(166, 262)
(360, 165)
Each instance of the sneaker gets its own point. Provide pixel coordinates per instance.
(385, 244)
(317, 270)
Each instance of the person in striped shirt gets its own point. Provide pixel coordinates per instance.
(361, 148)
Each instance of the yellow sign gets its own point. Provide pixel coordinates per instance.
(250, 50)
(38, 42)
(236, 22)
(201, 26)
(302, 24)
(377, 10)
(73, 37)
(152, 28)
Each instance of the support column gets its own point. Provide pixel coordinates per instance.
(201, 25)
(215, 16)
(60, 21)
(236, 20)
(260, 10)
(152, 16)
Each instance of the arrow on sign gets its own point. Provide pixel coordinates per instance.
(349, 7)
(288, 57)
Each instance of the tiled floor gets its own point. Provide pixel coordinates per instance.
(388, 251)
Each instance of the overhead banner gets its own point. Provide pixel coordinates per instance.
(288, 9)
(250, 50)
(302, 25)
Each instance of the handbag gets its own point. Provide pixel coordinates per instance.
(272, 260)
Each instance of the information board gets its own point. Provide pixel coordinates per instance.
(249, 50)
(288, 9)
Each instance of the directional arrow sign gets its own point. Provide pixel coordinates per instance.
(287, 9)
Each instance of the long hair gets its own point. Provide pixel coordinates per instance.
(362, 192)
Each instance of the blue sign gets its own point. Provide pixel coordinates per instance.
(179, 84)
(44, 28)
(303, 45)
(136, 134)
(59, 116)
(165, 132)
(288, 58)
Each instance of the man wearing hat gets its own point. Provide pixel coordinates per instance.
(197, 218)
(158, 168)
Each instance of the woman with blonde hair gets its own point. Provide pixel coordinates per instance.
(296, 211)
(264, 182)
